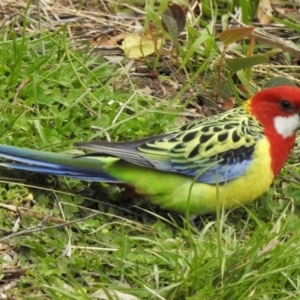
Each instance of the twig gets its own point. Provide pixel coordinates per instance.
(35, 229)
(31, 213)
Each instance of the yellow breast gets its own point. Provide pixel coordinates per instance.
(205, 198)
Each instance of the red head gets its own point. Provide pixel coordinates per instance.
(278, 110)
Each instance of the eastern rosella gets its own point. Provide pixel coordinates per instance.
(222, 161)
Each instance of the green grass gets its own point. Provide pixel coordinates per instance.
(50, 96)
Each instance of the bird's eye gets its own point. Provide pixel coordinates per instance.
(286, 105)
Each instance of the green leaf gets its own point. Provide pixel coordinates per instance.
(236, 64)
(277, 81)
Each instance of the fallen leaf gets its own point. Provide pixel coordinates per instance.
(108, 41)
(137, 46)
(264, 12)
(173, 15)
(114, 58)
(146, 90)
(228, 103)
(232, 35)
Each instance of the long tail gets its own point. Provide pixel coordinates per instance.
(83, 168)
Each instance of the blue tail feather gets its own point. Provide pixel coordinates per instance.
(82, 168)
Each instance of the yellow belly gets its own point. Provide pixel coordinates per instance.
(206, 198)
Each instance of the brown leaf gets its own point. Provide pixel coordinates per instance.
(232, 35)
(229, 103)
(108, 41)
(13, 273)
(173, 18)
(264, 12)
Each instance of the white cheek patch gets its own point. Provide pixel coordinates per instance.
(286, 126)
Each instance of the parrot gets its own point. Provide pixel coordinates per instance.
(223, 161)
